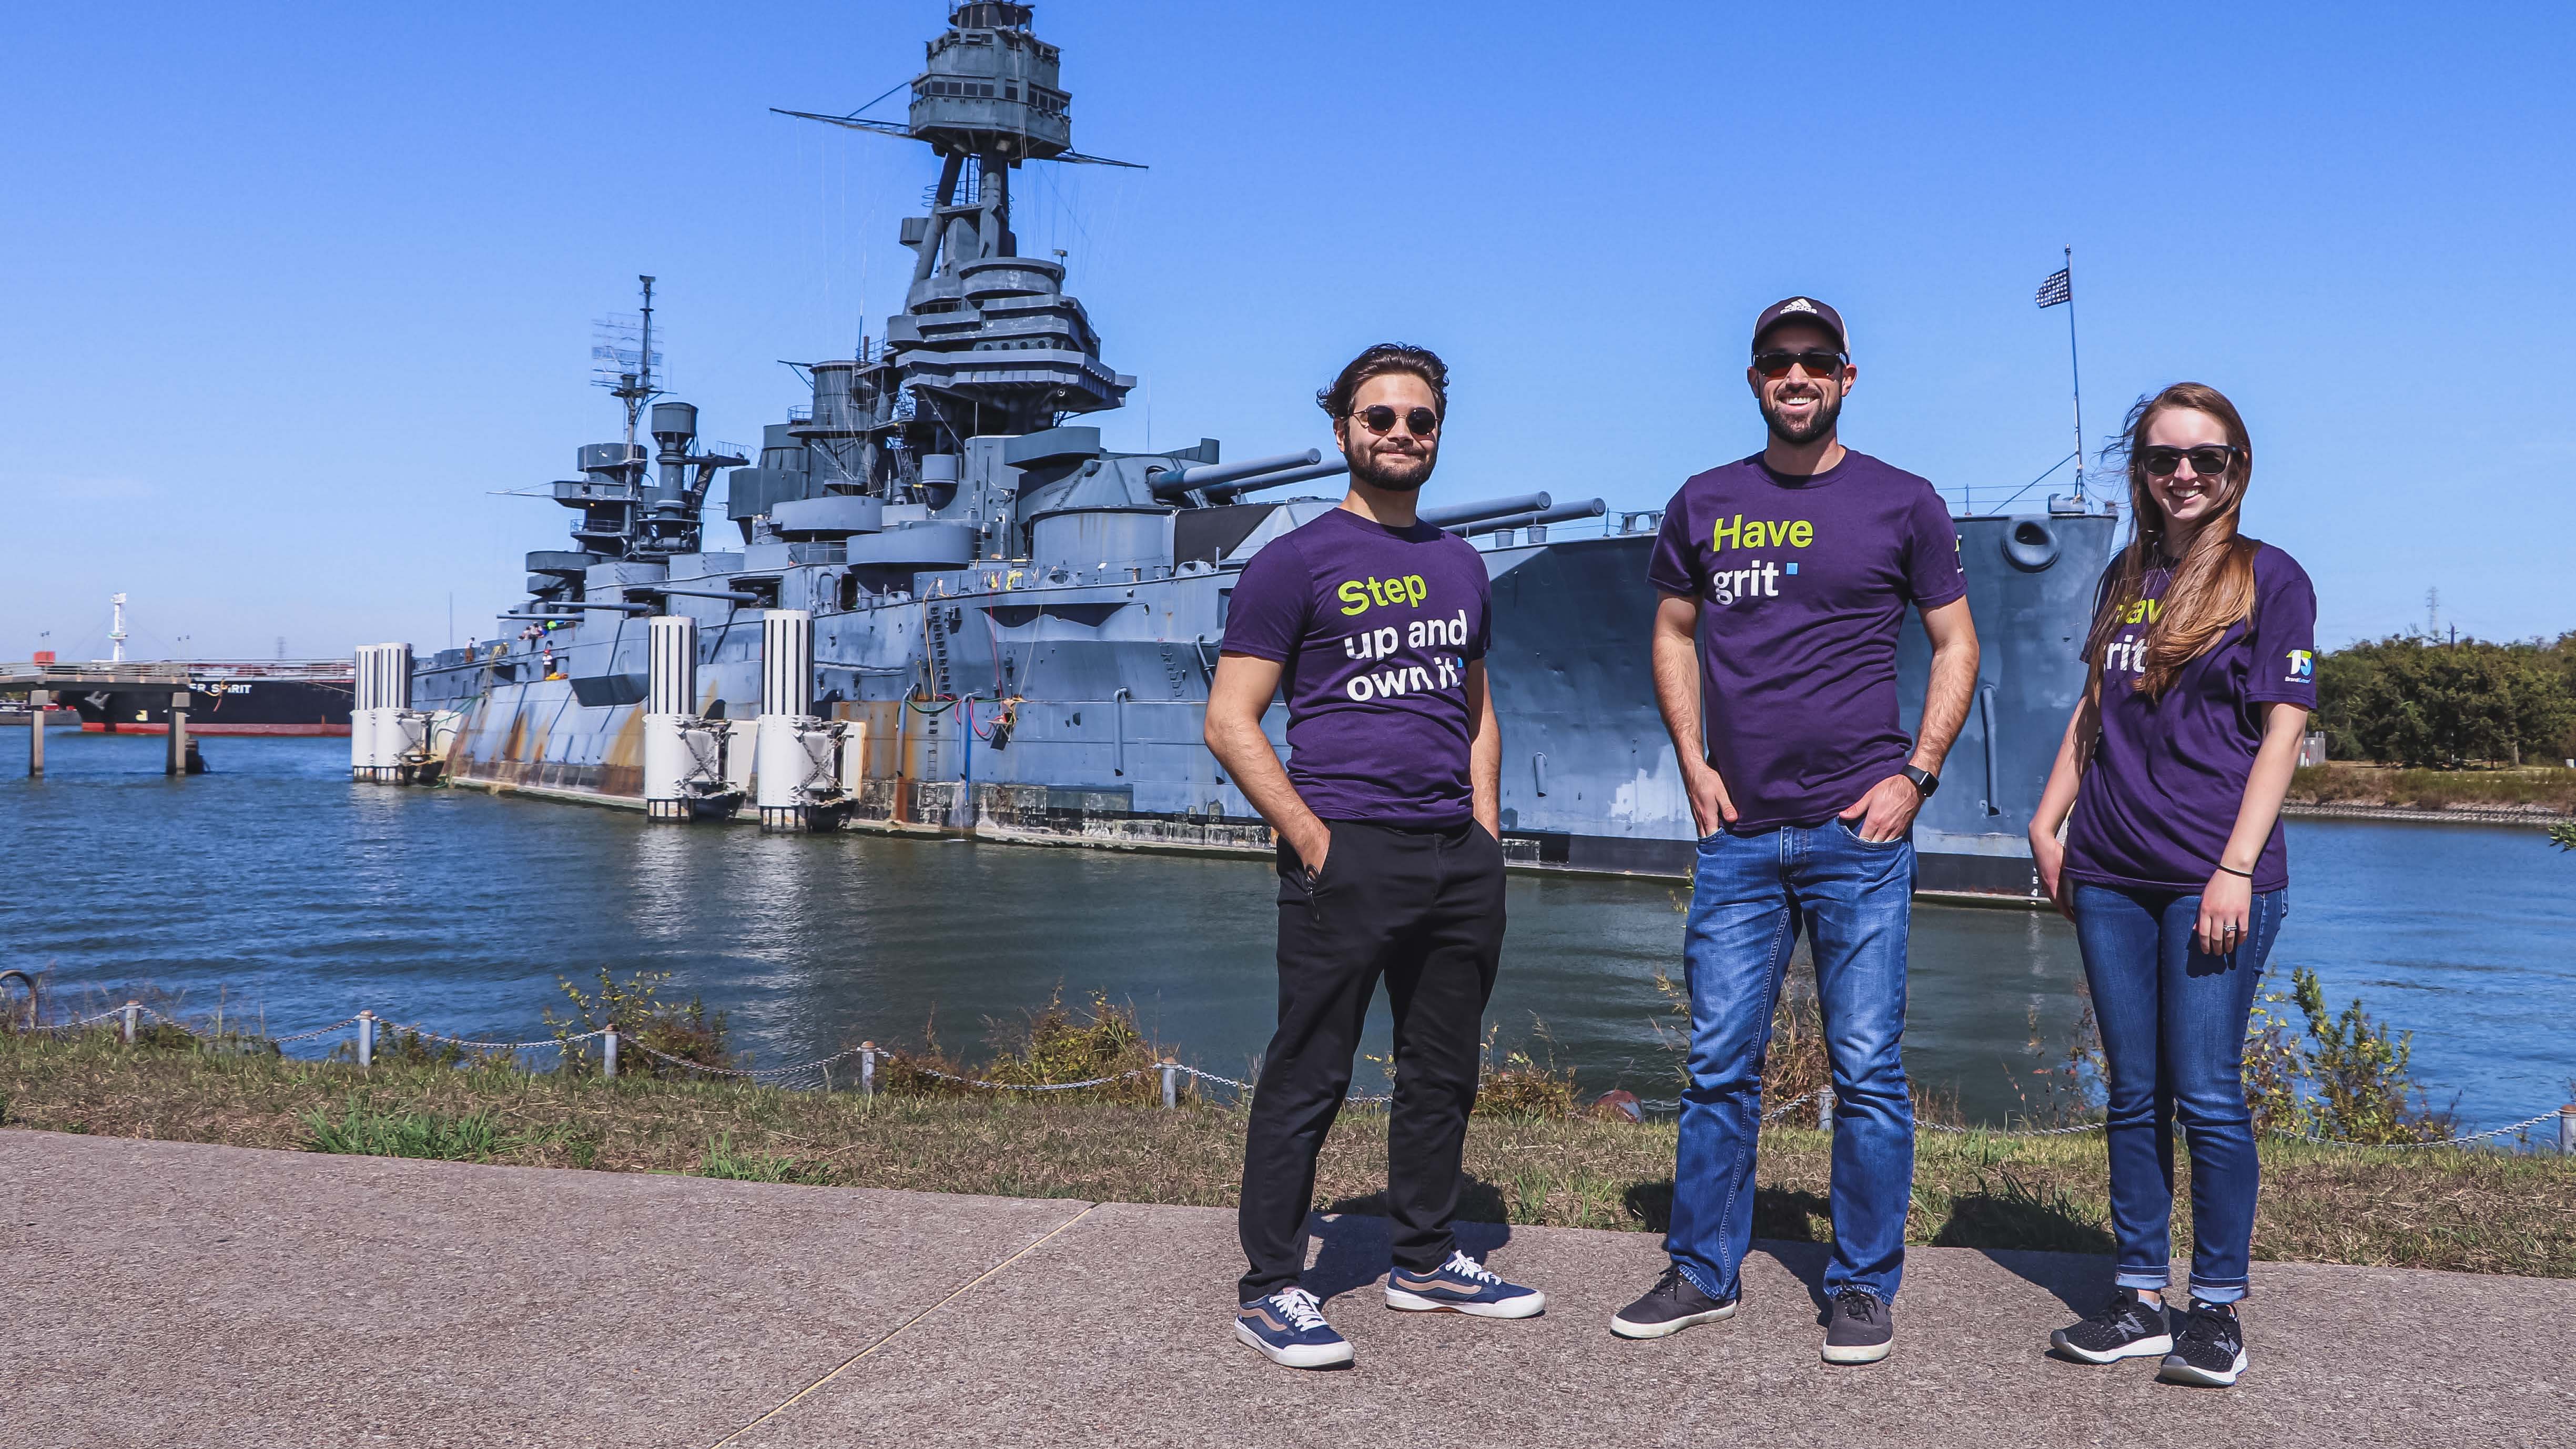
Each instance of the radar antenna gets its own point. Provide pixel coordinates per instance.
(621, 349)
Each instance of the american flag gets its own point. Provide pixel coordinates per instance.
(2060, 287)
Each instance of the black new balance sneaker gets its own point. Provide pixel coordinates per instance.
(2210, 1350)
(2127, 1327)
(1673, 1304)
(1860, 1329)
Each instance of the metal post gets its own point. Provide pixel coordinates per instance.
(37, 699)
(2567, 1130)
(178, 765)
(867, 1069)
(1171, 1083)
(366, 1038)
(608, 1053)
(1824, 1109)
(133, 1009)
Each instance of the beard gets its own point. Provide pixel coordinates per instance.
(1394, 472)
(1819, 424)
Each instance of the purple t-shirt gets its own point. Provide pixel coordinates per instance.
(1802, 584)
(2161, 794)
(1374, 626)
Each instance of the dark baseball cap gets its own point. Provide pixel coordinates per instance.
(1801, 309)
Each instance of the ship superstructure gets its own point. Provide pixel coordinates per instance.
(948, 606)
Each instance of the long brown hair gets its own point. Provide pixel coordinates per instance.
(2213, 585)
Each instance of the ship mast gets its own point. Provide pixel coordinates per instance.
(116, 631)
(635, 389)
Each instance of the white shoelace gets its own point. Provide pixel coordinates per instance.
(1468, 1268)
(1300, 1309)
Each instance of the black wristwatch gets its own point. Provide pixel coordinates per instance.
(1925, 782)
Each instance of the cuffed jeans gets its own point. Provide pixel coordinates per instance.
(1422, 909)
(2173, 1040)
(1751, 896)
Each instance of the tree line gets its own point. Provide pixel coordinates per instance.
(2416, 700)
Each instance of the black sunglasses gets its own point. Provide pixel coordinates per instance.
(2209, 460)
(1423, 422)
(1817, 364)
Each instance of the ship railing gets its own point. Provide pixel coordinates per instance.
(867, 1064)
(1617, 523)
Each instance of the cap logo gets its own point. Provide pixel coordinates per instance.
(1798, 304)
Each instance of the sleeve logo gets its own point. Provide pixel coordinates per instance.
(2303, 665)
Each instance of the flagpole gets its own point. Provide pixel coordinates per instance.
(2074, 371)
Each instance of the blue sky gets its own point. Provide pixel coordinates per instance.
(291, 290)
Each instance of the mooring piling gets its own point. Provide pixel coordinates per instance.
(867, 1069)
(608, 1052)
(366, 1038)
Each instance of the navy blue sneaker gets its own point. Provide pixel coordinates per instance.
(1462, 1285)
(1289, 1329)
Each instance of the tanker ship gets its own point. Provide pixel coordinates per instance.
(947, 607)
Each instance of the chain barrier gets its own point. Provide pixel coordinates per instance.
(2548, 1116)
(748, 1073)
(107, 1015)
(301, 1035)
(425, 1034)
(776, 1075)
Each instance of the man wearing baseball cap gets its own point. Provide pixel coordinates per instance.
(1784, 577)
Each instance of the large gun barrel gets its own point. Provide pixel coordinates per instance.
(1170, 483)
(1454, 514)
(1562, 513)
(1280, 479)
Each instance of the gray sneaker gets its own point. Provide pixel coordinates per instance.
(1860, 1329)
(1673, 1304)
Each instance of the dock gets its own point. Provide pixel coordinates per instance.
(44, 682)
(184, 1294)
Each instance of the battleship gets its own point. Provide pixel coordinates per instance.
(947, 607)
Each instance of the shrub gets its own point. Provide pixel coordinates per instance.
(635, 1007)
(2344, 1076)
(1056, 1045)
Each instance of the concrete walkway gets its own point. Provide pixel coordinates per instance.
(172, 1294)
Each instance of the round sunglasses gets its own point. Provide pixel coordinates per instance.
(2209, 460)
(1421, 422)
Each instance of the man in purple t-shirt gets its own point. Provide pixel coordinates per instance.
(1374, 624)
(1785, 577)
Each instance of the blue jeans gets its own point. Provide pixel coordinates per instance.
(2173, 1038)
(1751, 896)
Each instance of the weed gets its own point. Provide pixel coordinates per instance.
(363, 1130)
(721, 1160)
(1520, 1085)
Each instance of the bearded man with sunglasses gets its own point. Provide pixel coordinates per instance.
(1784, 579)
(1389, 867)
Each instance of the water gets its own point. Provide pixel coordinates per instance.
(299, 897)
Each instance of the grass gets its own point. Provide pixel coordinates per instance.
(2487, 1212)
(2546, 789)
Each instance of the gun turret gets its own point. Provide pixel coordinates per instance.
(1451, 515)
(1281, 479)
(1172, 484)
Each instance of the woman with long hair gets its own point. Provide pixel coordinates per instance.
(2173, 867)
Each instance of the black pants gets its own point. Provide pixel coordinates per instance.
(1424, 909)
